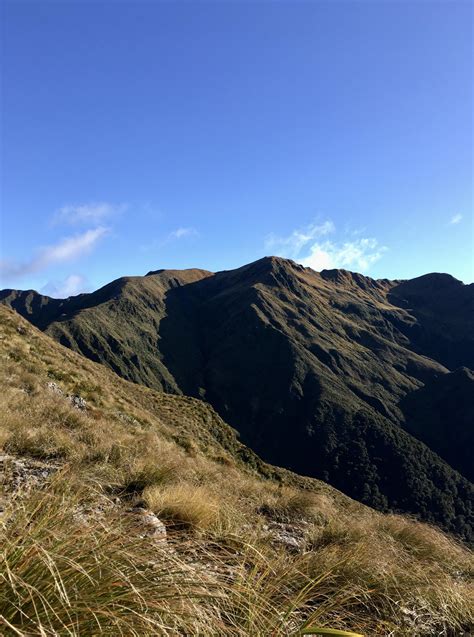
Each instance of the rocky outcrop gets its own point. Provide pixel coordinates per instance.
(76, 401)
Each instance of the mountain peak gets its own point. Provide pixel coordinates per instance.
(433, 282)
(186, 274)
(272, 262)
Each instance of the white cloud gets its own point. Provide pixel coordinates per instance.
(72, 247)
(352, 255)
(179, 233)
(298, 239)
(72, 285)
(304, 246)
(67, 249)
(175, 235)
(87, 213)
(455, 219)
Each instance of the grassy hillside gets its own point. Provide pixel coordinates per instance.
(311, 368)
(250, 549)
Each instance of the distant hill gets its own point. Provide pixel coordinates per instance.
(332, 374)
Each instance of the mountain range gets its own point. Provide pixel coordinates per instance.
(366, 384)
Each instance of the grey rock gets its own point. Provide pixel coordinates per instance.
(54, 387)
(288, 536)
(24, 473)
(78, 402)
(149, 525)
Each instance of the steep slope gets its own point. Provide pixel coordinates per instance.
(444, 311)
(38, 368)
(309, 367)
(139, 512)
(441, 414)
(116, 325)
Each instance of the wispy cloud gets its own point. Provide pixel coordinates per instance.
(67, 249)
(305, 246)
(298, 239)
(90, 213)
(179, 233)
(455, 219)
(175, 235)
(72, 285)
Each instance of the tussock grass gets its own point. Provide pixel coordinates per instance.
(60, 576)
(185, 505)
(67, 573)
(152, 463)
(407, 584)
(272, 595)
(285, 504)
(145, 474)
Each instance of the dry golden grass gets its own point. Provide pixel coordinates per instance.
(285, 504)
(416, 585)
(356, 570)
(61, 576)
(185, 505)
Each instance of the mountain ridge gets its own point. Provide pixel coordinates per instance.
(311, 368)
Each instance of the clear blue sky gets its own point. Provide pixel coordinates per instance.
(143, 135)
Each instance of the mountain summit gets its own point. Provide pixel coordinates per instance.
(331, 374)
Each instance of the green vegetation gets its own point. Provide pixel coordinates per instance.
(251, 549)
(319, 372)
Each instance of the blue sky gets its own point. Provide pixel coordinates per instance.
(146, 135)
